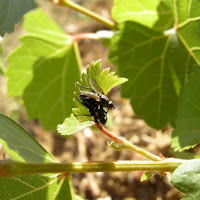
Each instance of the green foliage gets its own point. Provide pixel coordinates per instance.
(22, 147)
(186, 178)
(145, 176)
(36, 187)
(71, 125)
(11, 11)
(153, 14)
(1, 60)
(157, 63)
(98, 80)
(46, 66)
(187, 132)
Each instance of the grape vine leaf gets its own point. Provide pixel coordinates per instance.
(37, 187)
(153, 14)
(44, 69)
(44, 39)
(187, 132)
(20, 145)
(11, 11)
(49, 96)
(157, 63)
(186, 179)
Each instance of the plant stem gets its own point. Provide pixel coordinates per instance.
(10, 168)
(87, 12)
(126, 144)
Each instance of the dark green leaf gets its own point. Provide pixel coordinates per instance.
(156, 66)
(19, 144)
(1, 59)
(186, 179)
(37, 187)
(187, 132)
(11, 11)
(49, 96)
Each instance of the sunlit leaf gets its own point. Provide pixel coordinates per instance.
(44, 39)
(71, 125)
(153, 14)
(49, 96)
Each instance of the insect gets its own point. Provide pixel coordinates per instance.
(97, 103)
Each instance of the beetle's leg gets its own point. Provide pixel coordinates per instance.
(84, 87)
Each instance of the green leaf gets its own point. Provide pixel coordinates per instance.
(11, 11)
(49, 96)
(188, 20)
(44, 39)
(153, 14)
(187, 132)
(1, 59)
(71, 125)
(20, 145)
(44, 68)
(156, 66)
(101, 81)
(105, 79)
(37, 187)
(145, 176)
(186, 179)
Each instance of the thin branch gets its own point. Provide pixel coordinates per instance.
(87, 12)
(126, 144)
(10, 168)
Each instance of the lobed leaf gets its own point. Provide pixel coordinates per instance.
(187, 132)
(11, 11)
(104, 81)
(49, 96)
(186, 179)
(44, 39)
(44, 69)
(157, 64)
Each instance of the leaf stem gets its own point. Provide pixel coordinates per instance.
(126, 144)
(87, 12)
(10, 168)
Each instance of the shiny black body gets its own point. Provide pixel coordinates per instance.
(96, 110)
(98, 104)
